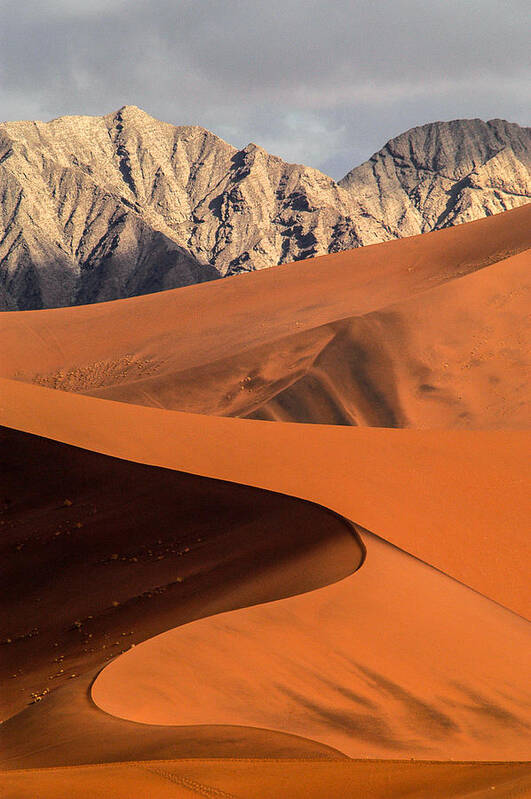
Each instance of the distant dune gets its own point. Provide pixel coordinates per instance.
(427, 332)
(452, 357)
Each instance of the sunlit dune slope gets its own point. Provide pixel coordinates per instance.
(99, 554)
(389, 335)
(179, 779)
(456, 499)
(397, 660)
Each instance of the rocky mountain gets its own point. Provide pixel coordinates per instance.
(98, 208)
(443, 174)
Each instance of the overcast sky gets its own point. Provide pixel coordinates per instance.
(322, 83)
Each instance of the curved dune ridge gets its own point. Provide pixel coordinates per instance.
(456, 499)
(425, 332)
(395, 684)
(100, 553)
(398, 695)
(377, 665)
(203, 531)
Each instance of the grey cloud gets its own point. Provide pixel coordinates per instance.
(324, 83)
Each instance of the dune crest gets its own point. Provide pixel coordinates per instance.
(392, 335)
(396, 660)
(99, 554)
(466, 487)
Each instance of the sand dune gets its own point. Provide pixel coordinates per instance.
(406, 662)
(99, 554)
(232, 346)
(396, 660)
(452, 357)
(456, 499)
(118, 526)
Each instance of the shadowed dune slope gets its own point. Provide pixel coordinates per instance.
(99, 554)
(264, 779)
(456, 499)
(454, 357)
(356, 669)
(236, 347)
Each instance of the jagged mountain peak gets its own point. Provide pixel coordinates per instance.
(96, 208)
(454, 147)
(132, 111)
(444, 173)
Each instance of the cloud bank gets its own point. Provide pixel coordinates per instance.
(321, 83)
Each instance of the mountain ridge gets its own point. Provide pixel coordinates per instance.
(99, 208)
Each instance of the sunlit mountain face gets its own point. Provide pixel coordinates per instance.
(101, 208)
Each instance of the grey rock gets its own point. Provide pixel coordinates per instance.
(443, 174)
(99, 208)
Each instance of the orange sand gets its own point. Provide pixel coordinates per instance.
(456, 499)
(453, 357)
(396, 660)
(442, 355)
(259, 779)
(136, 550)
